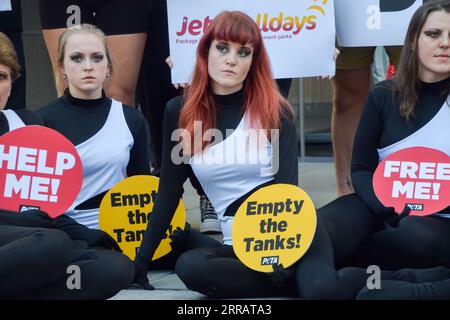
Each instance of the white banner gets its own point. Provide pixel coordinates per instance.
(361, 23)
(5, 5)
(299, 35)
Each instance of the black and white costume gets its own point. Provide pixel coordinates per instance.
(112, 141)
(36, 251)
(227, 181)
(383, 130)
(10, 120)
(357, 225)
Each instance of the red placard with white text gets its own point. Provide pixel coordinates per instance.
(418, 177)
(39, 169)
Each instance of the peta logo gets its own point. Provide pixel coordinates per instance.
(267, 261)
(415, 206)
(24, 208)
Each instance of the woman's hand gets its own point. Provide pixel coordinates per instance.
(393, 218)
(140, 273)
(280, 275)
(170, 64)
(335, 55)
(179, 238)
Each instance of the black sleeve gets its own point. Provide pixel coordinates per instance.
(139, 154)
(75, 230)
(32, 219)
(365, 155)
(25, 219)
(172, 177)
(29, 118)
(288, 153)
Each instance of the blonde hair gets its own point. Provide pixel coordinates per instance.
(62, 42)
(8, 56)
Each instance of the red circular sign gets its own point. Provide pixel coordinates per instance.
(418, 177)
(39, 169)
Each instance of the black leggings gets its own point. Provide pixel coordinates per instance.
(360, 238)
(348, 228)
(321, 273)
(194, 240)
(218, 273)
(34, 265)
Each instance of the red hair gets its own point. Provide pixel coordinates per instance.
(262, 99)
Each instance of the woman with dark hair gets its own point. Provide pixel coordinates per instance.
(413, 109)
(232, 88)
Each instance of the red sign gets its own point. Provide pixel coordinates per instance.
(418, 177)
(39, 168)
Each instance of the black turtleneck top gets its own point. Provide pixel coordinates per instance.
(27, 116)
(173, 176)
(381, 125)
(79, 119)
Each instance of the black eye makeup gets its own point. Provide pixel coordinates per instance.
(95, 57)
(245, 52)
(433, 33)
(222, 47)
(76, 57)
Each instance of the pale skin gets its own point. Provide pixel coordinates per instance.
(85, 65)
(126, 50)
(350, 91)
(434, 48)
(228, 66)
(5, 85)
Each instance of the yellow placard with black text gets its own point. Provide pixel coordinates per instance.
(125, 210)
(275, 225)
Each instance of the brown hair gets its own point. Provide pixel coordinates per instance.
(407, 77)
(8, 56)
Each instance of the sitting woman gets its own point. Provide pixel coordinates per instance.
(111, 138)
(35, 250)
(232, 88)
(411, 110)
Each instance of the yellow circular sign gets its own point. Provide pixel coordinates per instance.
(124, 213)
(275, 225)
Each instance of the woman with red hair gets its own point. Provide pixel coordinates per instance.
(232, 90)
